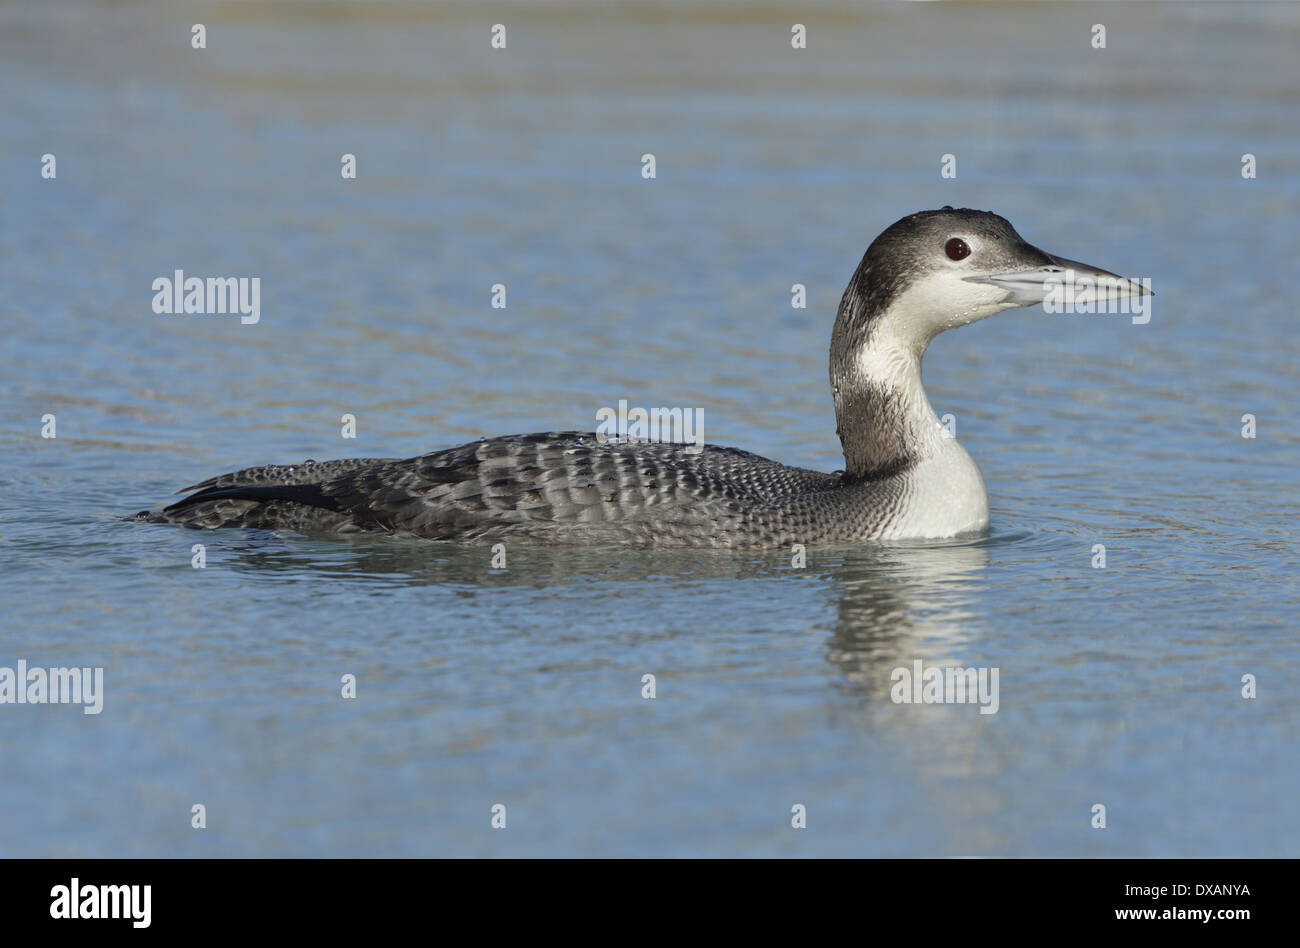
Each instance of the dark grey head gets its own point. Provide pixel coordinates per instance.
(935, 270)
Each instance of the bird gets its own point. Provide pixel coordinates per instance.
(904, 477)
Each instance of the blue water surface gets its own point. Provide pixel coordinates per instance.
(1120, 686)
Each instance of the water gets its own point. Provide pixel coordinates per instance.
(1120, 686)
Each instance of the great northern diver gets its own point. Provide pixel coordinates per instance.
(903, 476)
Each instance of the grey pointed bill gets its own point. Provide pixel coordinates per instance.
(1080, 282)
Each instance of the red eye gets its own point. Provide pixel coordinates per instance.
(956, 249)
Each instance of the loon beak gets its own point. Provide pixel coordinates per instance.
(1085, 282)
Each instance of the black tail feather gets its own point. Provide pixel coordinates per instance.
(309, 495)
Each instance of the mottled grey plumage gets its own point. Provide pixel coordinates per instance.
(902, 477)
(557, 487)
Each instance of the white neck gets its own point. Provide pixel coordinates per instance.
(942, 492)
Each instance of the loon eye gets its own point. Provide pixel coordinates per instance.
(956, 249)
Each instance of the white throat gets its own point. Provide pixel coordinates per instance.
(895, 367)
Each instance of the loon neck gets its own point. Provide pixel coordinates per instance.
(883, 417)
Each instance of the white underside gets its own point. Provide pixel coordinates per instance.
(944, 497)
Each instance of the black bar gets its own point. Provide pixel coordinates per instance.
(332, 898)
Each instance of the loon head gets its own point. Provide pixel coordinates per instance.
(926, 273)
(936, 270)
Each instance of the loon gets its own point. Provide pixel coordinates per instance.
(904, 477)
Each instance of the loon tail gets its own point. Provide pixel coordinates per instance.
(274, 496)
(282, 505)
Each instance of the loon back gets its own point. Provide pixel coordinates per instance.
(903, 477)
(555, 487)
